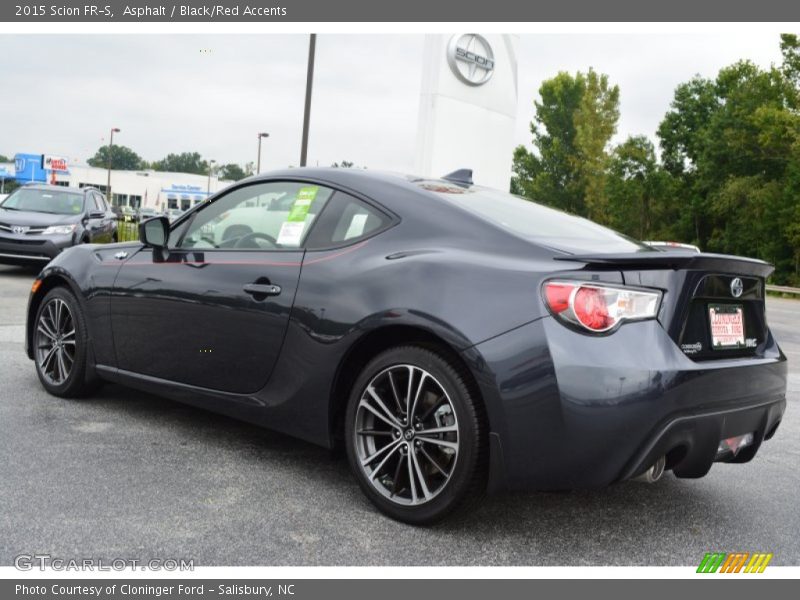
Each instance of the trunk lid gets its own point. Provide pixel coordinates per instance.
(693, 285)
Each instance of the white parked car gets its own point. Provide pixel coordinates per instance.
(672, 246)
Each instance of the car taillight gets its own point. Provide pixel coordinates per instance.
(598, 307)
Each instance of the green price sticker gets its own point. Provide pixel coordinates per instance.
(301, 206)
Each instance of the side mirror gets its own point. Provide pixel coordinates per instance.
(154, 232)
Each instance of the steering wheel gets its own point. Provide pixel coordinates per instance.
(248, 241)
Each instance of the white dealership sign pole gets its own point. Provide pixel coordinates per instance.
(468, 106)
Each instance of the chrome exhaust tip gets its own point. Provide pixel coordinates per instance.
(653, 472)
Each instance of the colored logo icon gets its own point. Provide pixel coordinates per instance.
(735, 562)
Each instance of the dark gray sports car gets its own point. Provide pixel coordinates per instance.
(454, 339)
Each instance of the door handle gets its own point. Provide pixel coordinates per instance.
(261, 289)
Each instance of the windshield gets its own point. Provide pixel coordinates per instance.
(547, 226)
(45, 201)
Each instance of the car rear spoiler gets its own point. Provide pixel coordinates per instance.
(721, 263)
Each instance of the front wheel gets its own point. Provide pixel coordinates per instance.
(60, 345)
(416, 435)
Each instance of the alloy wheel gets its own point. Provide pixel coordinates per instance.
(55, 342)
(407, 437)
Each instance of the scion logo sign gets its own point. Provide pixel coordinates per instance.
(470, 58)
(734, 562)
(737, 287)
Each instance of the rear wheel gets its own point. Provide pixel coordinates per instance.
(60, 345)
(416, 437)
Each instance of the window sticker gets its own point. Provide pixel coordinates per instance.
(356, 228)
(292, 229)
(301, 205)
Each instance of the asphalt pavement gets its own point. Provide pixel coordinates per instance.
(128, 475)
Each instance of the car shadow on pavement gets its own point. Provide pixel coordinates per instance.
(626, 517)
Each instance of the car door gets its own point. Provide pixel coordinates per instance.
(212, 310)
(95, 223)
(109, 220)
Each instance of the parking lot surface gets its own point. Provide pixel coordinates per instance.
(128, 475)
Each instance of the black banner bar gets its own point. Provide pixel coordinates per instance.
(716, 586)
(409, 10)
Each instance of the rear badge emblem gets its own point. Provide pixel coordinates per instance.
(737, 287)
(692, 348)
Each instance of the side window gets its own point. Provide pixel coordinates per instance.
(94, 204)
(99, 202)
(263, 216)
(346, 219)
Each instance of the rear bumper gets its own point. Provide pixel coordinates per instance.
(690, 441)
(30, 250)
(574, 411)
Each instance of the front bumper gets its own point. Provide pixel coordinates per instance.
(32, 249)
(574, 411)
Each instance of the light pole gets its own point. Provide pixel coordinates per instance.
(208, 189)
(258, 164)
(312, 46)
(110, 148)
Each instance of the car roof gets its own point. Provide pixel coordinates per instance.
(58, 188)
(395, 191)
(342, 175)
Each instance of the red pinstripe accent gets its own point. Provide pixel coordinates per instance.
(337, 255)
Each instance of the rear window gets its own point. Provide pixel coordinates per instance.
(536, 222)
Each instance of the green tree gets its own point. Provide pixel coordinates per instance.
(576, 117)
(232, 172)
(122, 158)
(8, 185)
(733, 144)
(345, 164)
(639, 191)
(185, 162)
(595, 124)
(790, 49)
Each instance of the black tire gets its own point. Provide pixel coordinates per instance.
(467, 480)
(78, 382)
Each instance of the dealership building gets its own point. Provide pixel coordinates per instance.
(147, 188)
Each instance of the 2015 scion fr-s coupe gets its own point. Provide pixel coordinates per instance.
(455, 339)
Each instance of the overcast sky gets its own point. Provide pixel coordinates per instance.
(212, 94)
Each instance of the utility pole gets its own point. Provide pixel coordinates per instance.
(312, 46)
(258, 163)
(210, 167)
(109, 197)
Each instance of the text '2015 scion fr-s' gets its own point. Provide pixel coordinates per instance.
(454, 339)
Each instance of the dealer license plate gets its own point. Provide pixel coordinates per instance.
(727, 326)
